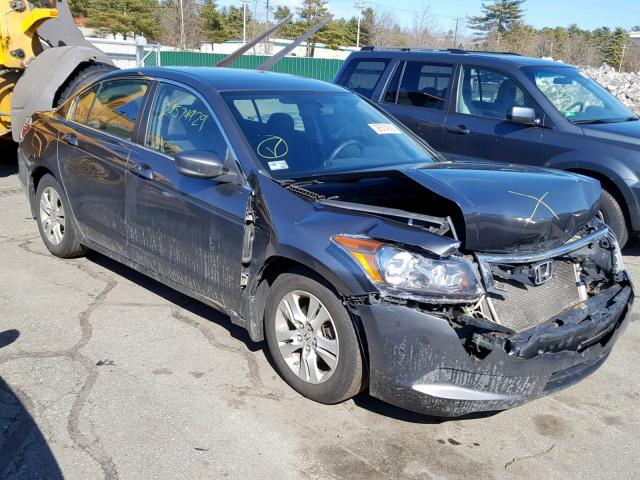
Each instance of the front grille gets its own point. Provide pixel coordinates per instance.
(525, 306)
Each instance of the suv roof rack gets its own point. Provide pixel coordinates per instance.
(457, 51)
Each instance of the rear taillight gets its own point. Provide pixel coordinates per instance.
(26, 128)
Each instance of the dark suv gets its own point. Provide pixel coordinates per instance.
(508, 108)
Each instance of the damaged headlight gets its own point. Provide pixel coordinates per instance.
(413, 275)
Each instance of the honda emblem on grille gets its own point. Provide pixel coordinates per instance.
(542, 272)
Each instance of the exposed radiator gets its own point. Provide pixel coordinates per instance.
(526, 306)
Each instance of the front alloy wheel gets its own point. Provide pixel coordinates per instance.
(307, 337)
(312, 338)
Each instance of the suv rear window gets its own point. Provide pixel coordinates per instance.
(363, 76)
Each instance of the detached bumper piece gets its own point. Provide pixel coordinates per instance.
(424, 363)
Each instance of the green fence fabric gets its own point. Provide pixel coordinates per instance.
(318, 68)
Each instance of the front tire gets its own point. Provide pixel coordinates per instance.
(613, 216)
(57, 226)
(312, 340)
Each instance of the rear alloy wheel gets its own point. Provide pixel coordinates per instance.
(52, 215)
(55, 221)
(312, 339)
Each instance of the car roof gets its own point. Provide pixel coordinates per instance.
(232, 79)
(457, 55)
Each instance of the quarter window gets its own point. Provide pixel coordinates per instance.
(425, 85)
(84, 104)
(488, 93)
(115, 108)
(363, 76)
(180, 121)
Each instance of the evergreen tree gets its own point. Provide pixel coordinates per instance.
(615, 47)
(288, 30)
(80, 8)
(311, 13)
(212, 22)
(498, 17)
(232, 22)
(125, 17)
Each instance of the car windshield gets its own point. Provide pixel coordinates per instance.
(305, 133)
(577, 97)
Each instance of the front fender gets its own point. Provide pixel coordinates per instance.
(616, 170)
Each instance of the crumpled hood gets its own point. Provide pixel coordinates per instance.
(508, 208)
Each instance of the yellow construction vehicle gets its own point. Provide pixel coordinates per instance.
(43, 59)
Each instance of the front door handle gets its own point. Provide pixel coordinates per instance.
(70, 138)
(459, 130)
(142, 170)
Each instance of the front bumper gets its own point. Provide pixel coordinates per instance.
(418, 361)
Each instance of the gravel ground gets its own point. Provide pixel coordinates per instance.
(105, 373)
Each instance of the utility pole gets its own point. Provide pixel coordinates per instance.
(624, 49)
(455, 32)
(267, 49)
(244, 21)
(183, 42)
(359, 6)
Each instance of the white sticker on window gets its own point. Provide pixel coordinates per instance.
(385, 128)
(278, 165)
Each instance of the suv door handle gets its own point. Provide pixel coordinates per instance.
(142, 170)
(459, 130)
(70, 138)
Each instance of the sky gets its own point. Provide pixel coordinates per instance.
(588, 14)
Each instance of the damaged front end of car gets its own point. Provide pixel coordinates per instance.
(470, 307)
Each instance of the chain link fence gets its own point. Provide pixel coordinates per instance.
(129, 54)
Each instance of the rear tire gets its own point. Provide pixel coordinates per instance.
(58, 228)
(320, 357)
(82, 77)
(613, 216)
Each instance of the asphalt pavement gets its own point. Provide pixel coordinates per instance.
(105, 373)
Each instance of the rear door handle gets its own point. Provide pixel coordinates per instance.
(142, 170)
(70, 138)
(459, 130)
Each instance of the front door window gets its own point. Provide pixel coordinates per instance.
(488, 93)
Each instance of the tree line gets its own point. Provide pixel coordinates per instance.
(500, 26)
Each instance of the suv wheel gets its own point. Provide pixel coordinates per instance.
(55, 220)
(312, 339)
(613, 216)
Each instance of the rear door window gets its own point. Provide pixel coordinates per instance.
(363, 76)
(180, 121)
(115, 108)
(424, 85)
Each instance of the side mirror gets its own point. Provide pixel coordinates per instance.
(199, 164)
(523, 116)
